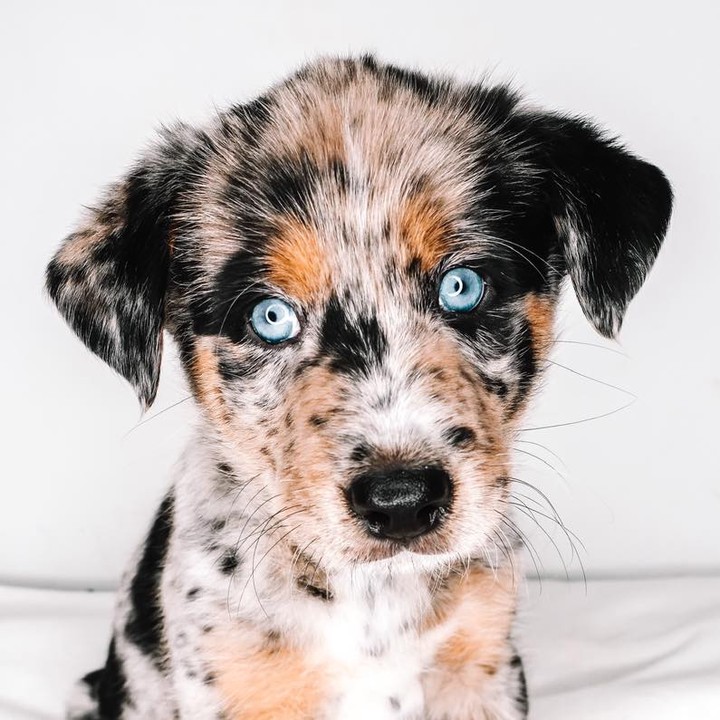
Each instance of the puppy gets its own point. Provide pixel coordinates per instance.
(360, 271)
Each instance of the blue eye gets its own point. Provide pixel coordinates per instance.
(274, 320)
(461, 289)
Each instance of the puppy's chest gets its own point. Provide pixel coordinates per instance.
(370, 638)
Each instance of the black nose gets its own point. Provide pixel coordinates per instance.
(402, 503)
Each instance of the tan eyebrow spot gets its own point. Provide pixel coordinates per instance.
(296, 262)
(425, 228)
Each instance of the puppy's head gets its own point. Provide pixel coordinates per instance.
(360, 270)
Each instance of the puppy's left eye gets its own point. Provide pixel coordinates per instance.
(461, 290)
(274, 321)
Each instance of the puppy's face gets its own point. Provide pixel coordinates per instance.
(360, 270)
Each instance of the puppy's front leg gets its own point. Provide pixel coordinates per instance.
(477, 675)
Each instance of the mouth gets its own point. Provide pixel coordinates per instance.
(422, 545)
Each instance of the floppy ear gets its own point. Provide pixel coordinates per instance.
(109, 279)
(611, 212)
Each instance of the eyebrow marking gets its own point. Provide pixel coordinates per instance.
(425, 229)
(296, 261)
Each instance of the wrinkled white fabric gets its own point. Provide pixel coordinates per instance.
(622, 650)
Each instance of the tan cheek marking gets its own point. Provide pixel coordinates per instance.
(540, 313)
(269, 683)
(310, 463)
(205, 381)
(457, 386)
(296, 262)
(482, 606)
(424, 227)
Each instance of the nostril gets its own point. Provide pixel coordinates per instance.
(401, 503)
(376, 522)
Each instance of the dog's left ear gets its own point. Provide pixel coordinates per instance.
(610, 209)
(109, 279)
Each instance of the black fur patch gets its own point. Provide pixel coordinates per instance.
(145, 626)
(108, 686)
(460, 436)
(229, 562)
(288, 185)
(611, 208)
(521, 700)
(112, 291)
(360, 452)
(314, 590)
(353, 346)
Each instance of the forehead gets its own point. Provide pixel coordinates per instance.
(349, 171)
(340, 162)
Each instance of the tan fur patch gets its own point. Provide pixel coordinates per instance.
(205, 381)
(481, 605)
(296, 261)
(425, 228)
(539, 312)
(268, 683)
(323, 139)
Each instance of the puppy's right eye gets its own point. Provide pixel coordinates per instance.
(461, 290)
(274, 321)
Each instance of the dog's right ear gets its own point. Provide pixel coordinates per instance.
(109, 279)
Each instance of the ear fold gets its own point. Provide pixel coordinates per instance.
(611, 211)
(109, 279)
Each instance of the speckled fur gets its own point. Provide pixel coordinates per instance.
(347, 190)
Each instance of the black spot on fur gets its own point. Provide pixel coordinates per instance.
(108, 686)
(218, 524)
(314, 590)
(318, 420)
(427, 89)
(229, 562)
(353, 346)
(360, 452)
(495, 385)
(145, 626)
(251, 119)
(524, 355)
(339, 174)
(394, 703)
(193, 593)
(460, 436)
(288, 184)
(521, 700)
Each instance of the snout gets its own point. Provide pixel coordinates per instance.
(402, 503)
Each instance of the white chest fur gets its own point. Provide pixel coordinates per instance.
(371, 637)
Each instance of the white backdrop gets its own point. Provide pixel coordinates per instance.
(84, 84)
